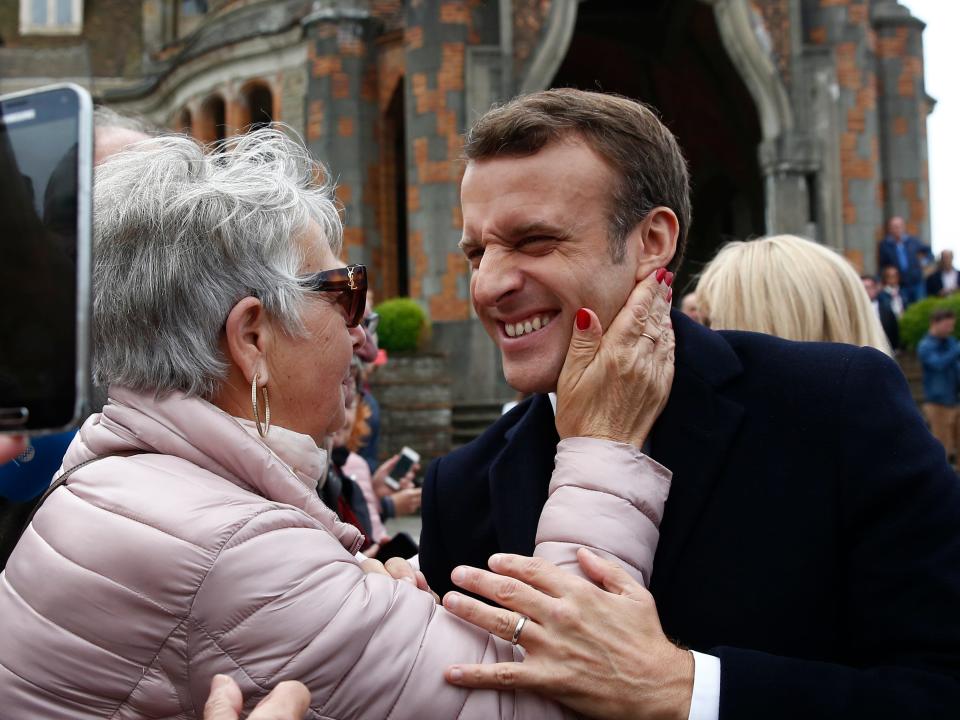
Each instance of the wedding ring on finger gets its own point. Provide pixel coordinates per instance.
(518, 629)
(651, 338)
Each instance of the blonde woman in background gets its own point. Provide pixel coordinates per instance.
(793, 288)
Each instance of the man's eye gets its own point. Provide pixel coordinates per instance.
(533, 242)
(474, 254)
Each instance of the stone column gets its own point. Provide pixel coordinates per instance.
(843, 30)
(341, 112)
(904, 105)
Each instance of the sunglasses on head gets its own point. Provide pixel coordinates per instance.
(351, 285)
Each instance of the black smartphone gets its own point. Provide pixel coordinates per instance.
(408, 458)
(46, 151)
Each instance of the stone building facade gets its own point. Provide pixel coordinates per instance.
(804, 116)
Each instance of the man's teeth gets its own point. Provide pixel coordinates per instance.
(527, 326)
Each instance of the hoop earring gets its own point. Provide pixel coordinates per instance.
(265, 428)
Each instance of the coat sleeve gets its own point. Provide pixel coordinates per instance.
(284, 601)
(605, 496)
(897, 599)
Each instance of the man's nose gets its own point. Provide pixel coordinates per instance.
(495, 278)
(357, 337)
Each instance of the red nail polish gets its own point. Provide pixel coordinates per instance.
(669, 278)
(583, 319)
(669, 295)
(660, 273)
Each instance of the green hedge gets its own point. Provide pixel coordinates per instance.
(916, 319)
(402, 324)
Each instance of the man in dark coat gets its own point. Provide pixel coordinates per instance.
(906, 253)
(809, 550)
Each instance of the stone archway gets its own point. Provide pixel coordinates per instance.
(703, 65)
(670, 54)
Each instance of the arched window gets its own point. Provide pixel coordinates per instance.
(212, 123)
(185, 122)
(259, 102)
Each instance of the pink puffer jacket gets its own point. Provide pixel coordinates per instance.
(146, 575)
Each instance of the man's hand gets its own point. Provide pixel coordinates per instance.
(289, 700)
(600, 652)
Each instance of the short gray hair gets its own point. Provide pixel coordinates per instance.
(182, 233)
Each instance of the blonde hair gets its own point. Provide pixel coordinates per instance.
(789, 287)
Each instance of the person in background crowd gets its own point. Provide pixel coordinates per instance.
(789, 287)
(908, 255)
(881, 306)
(945, 279)
(368, 353)
(892, 291)
(382, 502)
(939, 353)
(690, 306)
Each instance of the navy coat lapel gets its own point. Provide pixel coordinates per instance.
(520, 477)
(693, 434)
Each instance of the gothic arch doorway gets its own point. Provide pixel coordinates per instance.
(669, 53)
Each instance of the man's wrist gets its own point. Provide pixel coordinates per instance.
(673, 702)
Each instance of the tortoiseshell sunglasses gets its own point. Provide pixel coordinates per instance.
(351, 284)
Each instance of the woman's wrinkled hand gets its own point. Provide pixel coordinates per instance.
(615, 384)
(600, 652)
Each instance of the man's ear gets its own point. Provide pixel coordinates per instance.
(656, 236)
(248, 338)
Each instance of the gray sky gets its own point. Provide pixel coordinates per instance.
(941, 51)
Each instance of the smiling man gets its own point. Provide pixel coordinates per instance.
(809, 551)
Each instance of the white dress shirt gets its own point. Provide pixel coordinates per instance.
(705, 702)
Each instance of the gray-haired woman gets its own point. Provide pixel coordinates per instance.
(192, 541)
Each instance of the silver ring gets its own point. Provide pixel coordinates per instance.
(518, 629)
(651, 338)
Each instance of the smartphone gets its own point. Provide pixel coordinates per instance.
(408, 458)
(46, 152)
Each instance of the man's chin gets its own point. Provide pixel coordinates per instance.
(531, 381)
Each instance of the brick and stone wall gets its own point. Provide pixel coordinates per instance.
(843, 26)
(904, 106)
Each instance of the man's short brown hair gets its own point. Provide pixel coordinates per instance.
(627, 134)
(942, 314)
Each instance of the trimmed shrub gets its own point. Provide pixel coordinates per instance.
(402, 324)
(916, 319)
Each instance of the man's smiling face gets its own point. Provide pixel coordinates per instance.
(536, 235)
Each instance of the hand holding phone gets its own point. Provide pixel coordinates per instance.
(46, 149)
(408, 458)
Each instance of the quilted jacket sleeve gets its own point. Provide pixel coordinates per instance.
(284, 600)
(605, 496)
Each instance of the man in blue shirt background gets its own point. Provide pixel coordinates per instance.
(939, 354)
(903, 251)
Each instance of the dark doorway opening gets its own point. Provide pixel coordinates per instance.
(260, 104)
(668, 53)
(214, 111)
